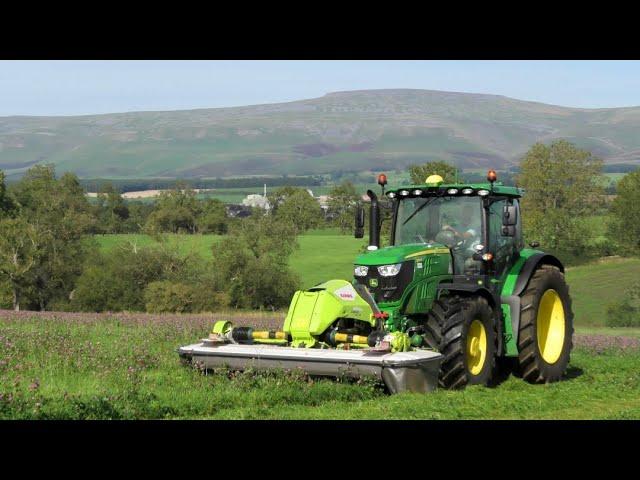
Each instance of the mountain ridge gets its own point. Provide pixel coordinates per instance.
(344, 130)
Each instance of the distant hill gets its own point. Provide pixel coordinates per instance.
(348, 131)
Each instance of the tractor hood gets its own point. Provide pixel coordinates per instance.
(400, 253)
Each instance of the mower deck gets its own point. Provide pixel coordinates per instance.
(415, 371)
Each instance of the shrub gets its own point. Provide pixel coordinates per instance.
(116, 280)
(168, 297)
(623, 315)
(262, 284)
(627, 312)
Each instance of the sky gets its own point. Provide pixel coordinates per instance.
(93, 87)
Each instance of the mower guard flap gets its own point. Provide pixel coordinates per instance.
(414, 371)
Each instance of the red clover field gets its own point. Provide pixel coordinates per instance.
(125, 366)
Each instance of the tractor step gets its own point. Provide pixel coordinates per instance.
(415, 371)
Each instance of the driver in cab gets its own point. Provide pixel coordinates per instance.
(467, 234)
(466, 231)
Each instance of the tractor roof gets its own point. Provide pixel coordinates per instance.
(427, 189)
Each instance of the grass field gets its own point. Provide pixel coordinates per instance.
(104, 366)
(322, 255)
(326, 255)
(594, 286)
(87, 366)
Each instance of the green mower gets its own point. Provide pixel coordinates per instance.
(455, 300)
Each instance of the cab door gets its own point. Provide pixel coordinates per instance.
(505, 248)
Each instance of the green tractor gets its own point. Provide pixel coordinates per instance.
(455, 299)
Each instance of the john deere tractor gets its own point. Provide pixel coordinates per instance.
(455, 299)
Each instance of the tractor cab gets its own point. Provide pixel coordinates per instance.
(479, 223)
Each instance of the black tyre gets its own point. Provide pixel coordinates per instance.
(545, 336)
(464, 330)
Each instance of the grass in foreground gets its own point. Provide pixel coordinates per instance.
(86, 366)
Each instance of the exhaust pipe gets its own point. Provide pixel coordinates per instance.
(374, 222)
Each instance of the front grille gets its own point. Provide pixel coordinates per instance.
(389, 289)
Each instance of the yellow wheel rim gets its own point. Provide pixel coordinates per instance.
(550, 326)
(476, 353)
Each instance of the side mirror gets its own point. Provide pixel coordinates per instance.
(359, 231)
(509, 216)
(508, 231)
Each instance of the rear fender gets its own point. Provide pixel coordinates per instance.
(516, 283)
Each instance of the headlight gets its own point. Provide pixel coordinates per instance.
(361, 271)
(389, 270)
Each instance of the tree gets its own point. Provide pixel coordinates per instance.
(253, 259)
(419, 173)
(299, 209)
(212, 217)
(563, 184)
(19, 252)
(279, 195)
(175, 211)
(139, 213)
(113, 211)
(624, 225)
(7, 206)
(343, 199)
(60, 215)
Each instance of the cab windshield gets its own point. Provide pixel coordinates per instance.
(452, 221)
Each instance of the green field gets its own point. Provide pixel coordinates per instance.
(326, 255)
(103, 366)
(83, 366)
(321, 256)
(594, 286)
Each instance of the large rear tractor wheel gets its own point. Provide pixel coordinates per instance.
(464, 330)
(546, 327)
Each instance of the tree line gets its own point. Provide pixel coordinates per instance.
(50, 261)
(135, 185)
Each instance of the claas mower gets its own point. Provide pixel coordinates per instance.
(455, 299)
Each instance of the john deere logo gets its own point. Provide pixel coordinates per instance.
(373, 282)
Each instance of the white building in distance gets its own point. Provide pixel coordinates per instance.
(257, 201)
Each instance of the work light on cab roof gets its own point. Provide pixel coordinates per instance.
(434, 180)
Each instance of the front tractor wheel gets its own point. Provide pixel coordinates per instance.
(464, 331)
(546, 327)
